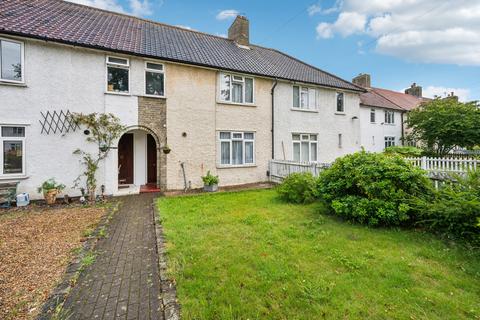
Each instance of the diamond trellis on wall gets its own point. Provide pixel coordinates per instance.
(57, 121)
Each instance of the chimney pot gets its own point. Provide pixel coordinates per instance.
(239, 31)
(362, 80)
(414, 90)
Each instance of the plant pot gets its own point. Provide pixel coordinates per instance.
(212, 188)
(50, 196)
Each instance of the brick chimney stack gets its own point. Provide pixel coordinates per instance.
(362, 80)
(414, 90)
(239, 31)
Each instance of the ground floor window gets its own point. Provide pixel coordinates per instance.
(304, 147)
(389, 142)
(12, 140)
(237, 148)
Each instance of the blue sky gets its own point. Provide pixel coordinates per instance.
(435, 43)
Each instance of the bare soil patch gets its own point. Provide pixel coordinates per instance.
(35, 248)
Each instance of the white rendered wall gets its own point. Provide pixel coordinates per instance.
(325, 122)
(373, 134)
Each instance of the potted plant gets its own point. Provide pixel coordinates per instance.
(210, 182)
(50, 189)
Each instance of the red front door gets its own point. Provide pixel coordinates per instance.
(125, 159)
(151, 160)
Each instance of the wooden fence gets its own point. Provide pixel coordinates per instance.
(280, 169)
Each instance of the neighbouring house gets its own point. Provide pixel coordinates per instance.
(383, 113)
(210, 99)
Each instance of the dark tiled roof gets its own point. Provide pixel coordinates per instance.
(383, 98)
(70, 23)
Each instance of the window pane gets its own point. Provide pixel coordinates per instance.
(372, 115)
(224, 135)
(296, 152)
(295, 137)
(118, 60)
(237, 152)
(237, 78)
(312, 99)
(12, 157)
(248, 90)
(154, 66)
(11, 60)
(313, 151)
(225, 87)
(305, 136)
(117, 79)
(154, 83)
(304, 98)
(225, 152)
(305, 151)
(248, 135)
(248, 152)
(237, 136)
(340, 102)
(237, 92)
(13, 132)
(393, 117)
(296, 97)
(313, 137)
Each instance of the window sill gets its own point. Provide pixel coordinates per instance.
(389, 124)
(340, 113)
(127, 94)
(13, 84)
(152, 96)
(304, 110)
(219, 166)
(13, 177)
(237, 104)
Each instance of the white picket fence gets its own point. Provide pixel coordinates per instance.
(445, 165)
(280, 169)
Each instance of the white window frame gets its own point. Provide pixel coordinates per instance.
(22, 58)
(232, 133)
(305, 137)
(232, 80)
(390, 140)
(389, 117)
(15, 139)
(336, 102)
(374, 113)
(308, 91)
(119, 66)
(154, 71)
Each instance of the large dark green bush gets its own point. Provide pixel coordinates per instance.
(373, 188)
(298, 188)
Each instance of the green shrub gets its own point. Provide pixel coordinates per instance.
(210, 179)
(373, 188)
(404, 151)
(298, 188)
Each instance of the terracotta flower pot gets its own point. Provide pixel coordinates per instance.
(50, 196)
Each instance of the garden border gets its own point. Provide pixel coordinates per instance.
(170, 305)
(59, 294)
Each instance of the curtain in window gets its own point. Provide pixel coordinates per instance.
(296, 152)
(225, 152)
(312, 99)
(11, 58)
(248, 152)
(237, 94)
(313, 151)
(237, 152)
(296, 97)
(154, 83)
(305, 151)
(225, 87)
(304, 98)
(248, 90)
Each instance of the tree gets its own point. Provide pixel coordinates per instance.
(103, 129)
(442, 124)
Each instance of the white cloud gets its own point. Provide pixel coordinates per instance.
(184, 27)
(314, 9)
(415, 30)
(227, 14)
(135, 7)
(432, 91)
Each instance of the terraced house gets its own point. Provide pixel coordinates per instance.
(220, 104)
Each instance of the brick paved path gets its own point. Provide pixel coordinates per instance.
(123, 283)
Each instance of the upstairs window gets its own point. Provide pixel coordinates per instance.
(372, 115)
(118, 75)
(11, 61)
(236, 89)
(304, 147)
(340, 102)
(12, 140)
(154, 79)
(237, 148)
(389, 117)
(304, 98)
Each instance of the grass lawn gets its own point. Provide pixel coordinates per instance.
(248, 255)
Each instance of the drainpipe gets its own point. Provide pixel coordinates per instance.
(273, 118)
(403, 129)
